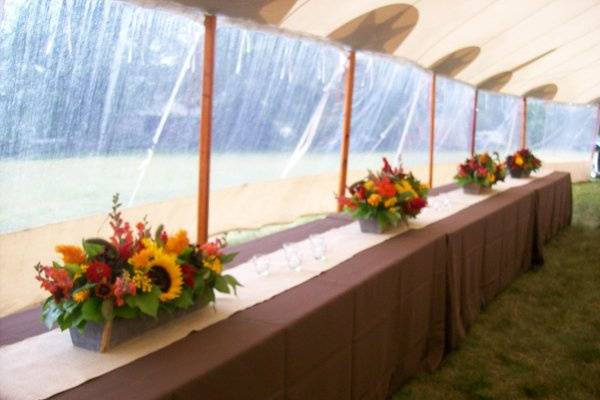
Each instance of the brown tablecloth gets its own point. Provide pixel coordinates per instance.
(359, 330)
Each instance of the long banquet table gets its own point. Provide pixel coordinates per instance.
(359, 330)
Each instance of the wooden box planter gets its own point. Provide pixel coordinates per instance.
(372, 226)
(103, 336)
(473, 188)
(519, 173)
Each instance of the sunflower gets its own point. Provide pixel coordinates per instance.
(164, 272)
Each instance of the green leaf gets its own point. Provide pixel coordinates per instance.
(126, 312)
(147, 302)
(185, 257)
(107, 310)
(91, 309)
(56, 265)
(51, 313)
(232, 282)
(73, 268)
(92, 249)
(221, 284)
(185, 299)
(69, 306)
(228, 257)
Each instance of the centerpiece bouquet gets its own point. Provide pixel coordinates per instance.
(384, 199)
(522, 163)
(480, 172)
(135, 275)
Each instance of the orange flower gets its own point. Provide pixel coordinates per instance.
(484, 158)
(71, 254)
(519, 160)
(178, 242)
(385, 187)
(374, 200)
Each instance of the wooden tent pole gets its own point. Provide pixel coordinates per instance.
(210, 24)
(524, 124)
(431, 128)
(347, 125)
(474, 123)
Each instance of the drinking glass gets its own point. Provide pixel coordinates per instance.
(262, 264)
(292, 256)
(317, 246)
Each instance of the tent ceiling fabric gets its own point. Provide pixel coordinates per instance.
(521, 45)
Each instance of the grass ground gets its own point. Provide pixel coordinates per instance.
(540, 339)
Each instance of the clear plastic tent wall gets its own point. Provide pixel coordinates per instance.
(277, 120)
(102, 98)
(453, 126)
(499, 119)
(560, 132)
(390, 115)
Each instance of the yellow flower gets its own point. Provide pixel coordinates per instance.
(142, 281)
(491, 178)
(213, 263)
(142, 258)
(369, 185)
(164, 272)
(71, 254)
(374, 199)
(390, 202)
(519, 160)
(177, 243)
(404, 186)
(81, 295)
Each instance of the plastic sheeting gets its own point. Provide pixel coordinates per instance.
(453, 127)
(390, 114)
(559, 132)
(277, 119)
(499, 119)
(102, 98)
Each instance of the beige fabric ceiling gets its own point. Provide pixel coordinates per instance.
(543, 48)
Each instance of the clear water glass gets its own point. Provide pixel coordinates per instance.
(262, 264)
(292, 256)
(317, 246)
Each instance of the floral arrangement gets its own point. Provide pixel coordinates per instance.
(130, 275)
(522, 163)
(481, 170)
(388, 197)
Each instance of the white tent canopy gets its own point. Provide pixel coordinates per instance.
(542, 48)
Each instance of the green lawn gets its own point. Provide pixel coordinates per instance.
(540, 339)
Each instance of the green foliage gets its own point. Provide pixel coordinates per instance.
(92, 249)
(147, 302)
(91, 309)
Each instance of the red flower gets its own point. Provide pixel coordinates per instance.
(346, 202)
(414, 206)
(98, 271)
(482, 172)
(387, 169)
(212, 249)
(385, 187)
(122, 288)
(104, 290)
(189, 274)
(164, 237)
(122, 239)
(55, 280)
(361, 193)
